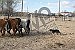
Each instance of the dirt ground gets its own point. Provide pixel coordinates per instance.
(43, 41)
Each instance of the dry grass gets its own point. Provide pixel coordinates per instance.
(38, 42)
(43, 41)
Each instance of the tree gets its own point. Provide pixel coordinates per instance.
(7, 6)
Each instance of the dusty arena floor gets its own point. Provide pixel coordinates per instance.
(43, 41)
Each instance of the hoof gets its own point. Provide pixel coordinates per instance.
(3, 34)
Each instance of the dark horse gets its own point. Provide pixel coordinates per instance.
(12, 24)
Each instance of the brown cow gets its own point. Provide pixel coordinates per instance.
(3, 22)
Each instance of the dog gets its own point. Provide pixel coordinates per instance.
(55, 31)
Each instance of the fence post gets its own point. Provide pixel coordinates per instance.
(64, 17)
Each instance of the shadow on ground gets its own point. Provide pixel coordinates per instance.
(32, 33)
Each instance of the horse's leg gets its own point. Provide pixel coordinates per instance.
(27, 30)
(9, 31)
(21, 31)
(1, 29)
(14, 31)
(8, 28)
(3, 32)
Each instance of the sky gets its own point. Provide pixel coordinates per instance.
(53, 5)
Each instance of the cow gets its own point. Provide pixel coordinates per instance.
(55, 31)
(3, 22)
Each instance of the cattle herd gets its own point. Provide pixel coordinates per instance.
(16, 24)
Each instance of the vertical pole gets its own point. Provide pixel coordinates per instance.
(59, 8)
(22, 6)
(8, 8)
(22, 9)
(27, 9)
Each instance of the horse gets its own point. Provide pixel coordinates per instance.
(12, 24)
(16, 24)
(3, 22)
(25, 24)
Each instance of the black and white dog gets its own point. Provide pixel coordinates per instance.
(55, 31)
